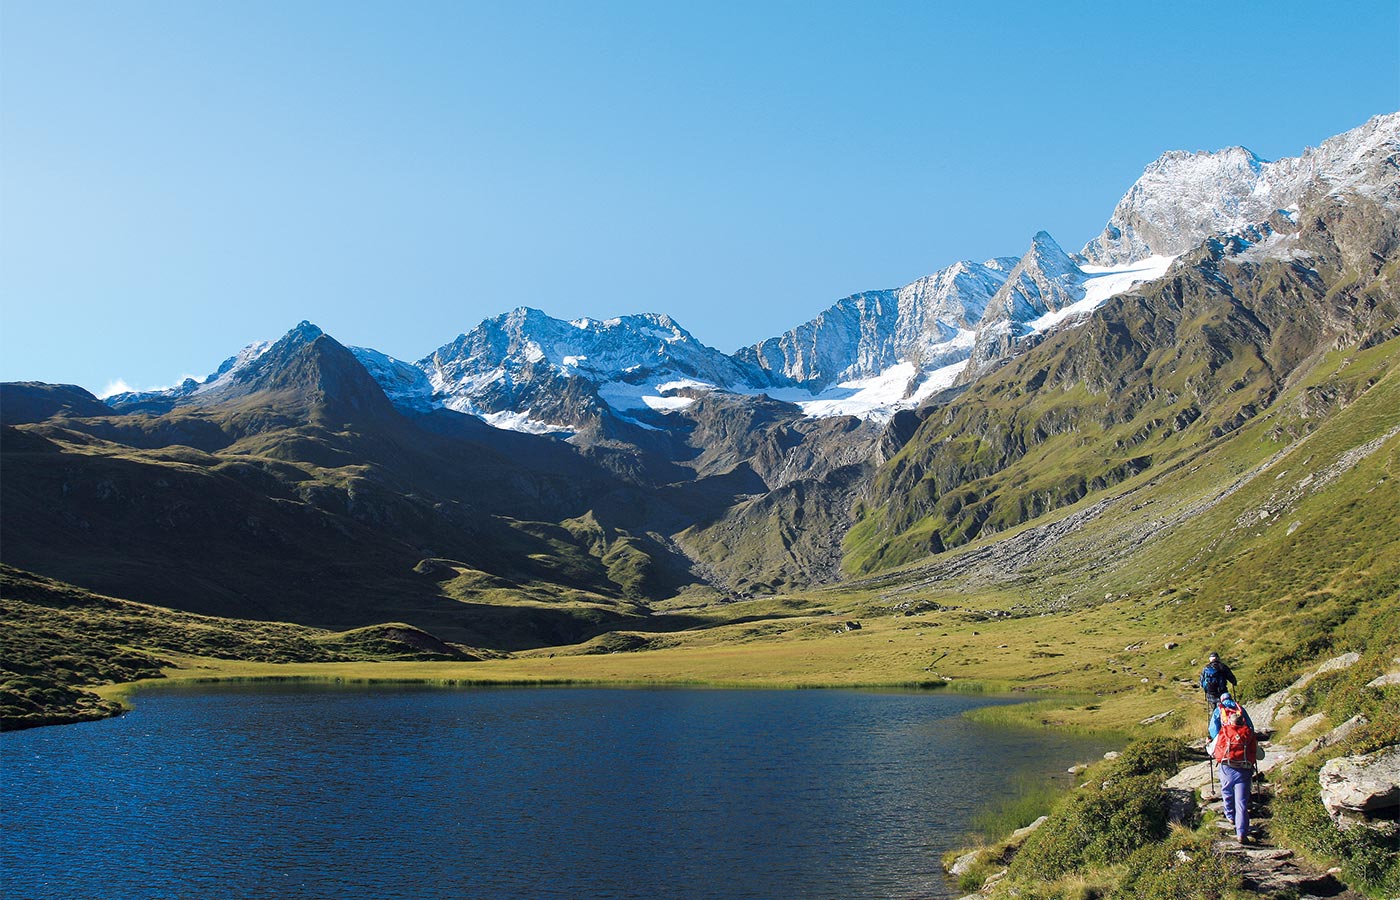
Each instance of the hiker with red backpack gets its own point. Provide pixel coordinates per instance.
(1236, 748)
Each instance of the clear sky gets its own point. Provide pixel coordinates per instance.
(180, 179)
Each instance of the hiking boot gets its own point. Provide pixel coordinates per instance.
(1245, 840)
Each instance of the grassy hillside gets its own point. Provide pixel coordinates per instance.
(302, 495)
(1151, 381)
(59, 642)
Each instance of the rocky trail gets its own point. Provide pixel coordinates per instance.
(1268, 869)
(1358, 791)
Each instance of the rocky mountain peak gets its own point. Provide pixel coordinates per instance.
(925, 325)
(1183, 198)
(306, 368)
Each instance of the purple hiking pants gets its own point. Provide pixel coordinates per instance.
(1234, 791)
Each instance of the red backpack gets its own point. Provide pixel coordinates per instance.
(1234, 745)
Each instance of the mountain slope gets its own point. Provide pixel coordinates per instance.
(313, 500)
(24, 402)
(1155, 376)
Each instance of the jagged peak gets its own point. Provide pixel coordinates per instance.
(304, 330)
(1226, 156)
(1043, 244)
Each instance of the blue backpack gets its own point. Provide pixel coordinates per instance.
(1212, 681)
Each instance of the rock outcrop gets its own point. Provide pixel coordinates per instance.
(1363, 789)
(1266, 711)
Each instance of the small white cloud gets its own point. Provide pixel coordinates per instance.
(115, 386)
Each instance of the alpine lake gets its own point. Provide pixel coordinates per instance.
(322, 791)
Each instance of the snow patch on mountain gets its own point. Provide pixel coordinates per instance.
(1101, 283)
(224, 375)
(229, 370)
(404, 383)
(662, 397)
(901, 386)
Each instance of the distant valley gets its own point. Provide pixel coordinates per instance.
(537, 482)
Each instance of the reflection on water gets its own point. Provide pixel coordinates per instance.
(498, 793)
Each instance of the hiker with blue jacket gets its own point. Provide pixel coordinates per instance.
(1216, 679)
(1235, 747)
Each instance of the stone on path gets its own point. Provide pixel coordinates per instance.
(1191, 777)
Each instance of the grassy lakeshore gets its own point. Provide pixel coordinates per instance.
(1077, 665)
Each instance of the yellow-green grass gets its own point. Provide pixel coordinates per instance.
(1079, 661)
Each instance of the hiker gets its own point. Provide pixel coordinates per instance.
(1234, 746)
(1216, 679)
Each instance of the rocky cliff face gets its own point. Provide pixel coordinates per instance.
(866, 334)
(1045, 280)
(1183, 198)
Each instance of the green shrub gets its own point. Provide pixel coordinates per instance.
(1181, 868)
(1093, 827)
(1070, 888)
(1151, 756)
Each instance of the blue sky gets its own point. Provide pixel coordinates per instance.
(180, 179)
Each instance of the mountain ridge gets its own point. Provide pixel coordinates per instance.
(872, 353)
(685, 469)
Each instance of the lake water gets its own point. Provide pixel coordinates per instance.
(253, 792)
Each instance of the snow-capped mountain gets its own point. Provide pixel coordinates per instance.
(1046, 289)
(1182, 198)
(529, 371)
(878, 351)
(223, 376)
(403, 383)
(921, 329)
(1045, 280)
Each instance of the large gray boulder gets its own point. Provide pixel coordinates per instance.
(1389, 679)
(1362, 788)
(1267, 710)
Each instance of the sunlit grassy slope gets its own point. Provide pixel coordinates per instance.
(1278, 545)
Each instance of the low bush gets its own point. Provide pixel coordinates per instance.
(1071, 887)
(1183, 867)
(1151, 756)
(1096, 826)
